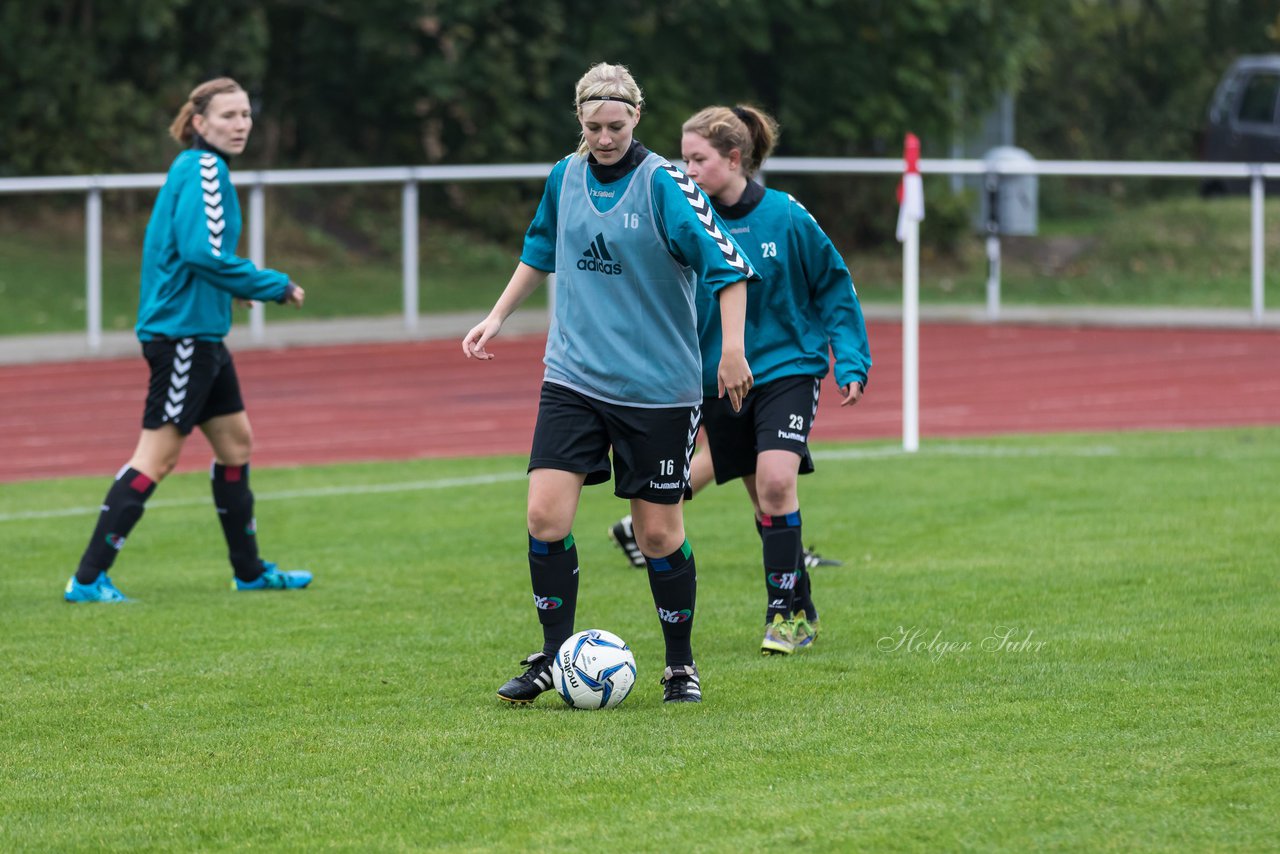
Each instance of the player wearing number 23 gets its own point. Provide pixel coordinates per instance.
(804, 309)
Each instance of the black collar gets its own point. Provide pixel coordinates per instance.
(199, 142)
(607, 174)
(747, 202)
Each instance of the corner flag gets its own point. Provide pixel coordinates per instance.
(911, 190)
(910, 213)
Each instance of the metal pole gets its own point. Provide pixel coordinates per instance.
(93, 268)
(993, 246)
(993, 277)
(911, 337)
(1007, 124)
(409, 259)
(1257, 241)
(258, 254)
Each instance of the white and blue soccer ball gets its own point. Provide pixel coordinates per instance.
(594, 669)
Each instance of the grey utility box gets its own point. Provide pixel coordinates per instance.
(1014, 198)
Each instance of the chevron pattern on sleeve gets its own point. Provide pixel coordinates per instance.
(796, 202)
(706, 215)
(178, 379)
(213, 213)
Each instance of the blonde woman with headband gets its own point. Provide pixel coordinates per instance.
(190, 276)
(630, 240)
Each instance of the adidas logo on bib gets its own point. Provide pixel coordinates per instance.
(598, 260)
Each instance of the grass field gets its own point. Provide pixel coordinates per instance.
(1035, 643)
(454, 274)
(1178, 251)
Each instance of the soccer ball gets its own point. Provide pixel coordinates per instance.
(594, 670)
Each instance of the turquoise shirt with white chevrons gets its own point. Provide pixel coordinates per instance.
(190, 271)
(805, 307)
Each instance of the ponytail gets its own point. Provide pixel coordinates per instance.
(748, 129)
(181, 128)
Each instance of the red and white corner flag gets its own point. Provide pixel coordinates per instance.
(911, 190)
(910, 214)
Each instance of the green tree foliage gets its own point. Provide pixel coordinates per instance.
(91, 86)
(1131, 79)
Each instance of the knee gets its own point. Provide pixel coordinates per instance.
(658, 546)
(547, 525)
(237, 450)
(243, 442)
(658, 542)
(777, 495)
(155, 466)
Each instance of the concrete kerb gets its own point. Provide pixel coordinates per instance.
(73, 346)
(1115, 316)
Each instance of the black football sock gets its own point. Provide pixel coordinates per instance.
(804, 594)
(674, 582)
(804, 589)
(803, 600)
(780, 543)
(121, 510)
(553, 569)
(234, 502)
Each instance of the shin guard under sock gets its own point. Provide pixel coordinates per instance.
(783, 563)
(803, 600)
(674, 582)
(234, 502)
(121, 510)
(553, 569)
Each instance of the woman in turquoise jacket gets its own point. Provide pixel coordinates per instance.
(190, 276)
(804, 310)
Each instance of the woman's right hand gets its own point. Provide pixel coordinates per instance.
(473, 343)
(295, 295)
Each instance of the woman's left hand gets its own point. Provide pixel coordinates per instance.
(851, 393)
(734, 378)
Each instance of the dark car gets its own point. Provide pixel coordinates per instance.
(1244, 117)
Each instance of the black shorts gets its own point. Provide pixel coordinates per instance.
(191, 382)
(776, 416)
(651, 447)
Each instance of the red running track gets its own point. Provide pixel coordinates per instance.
(402, 400)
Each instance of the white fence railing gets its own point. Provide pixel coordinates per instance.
(409, 177)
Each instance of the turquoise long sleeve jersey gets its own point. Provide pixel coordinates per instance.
(190, 272)
(805, 303)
